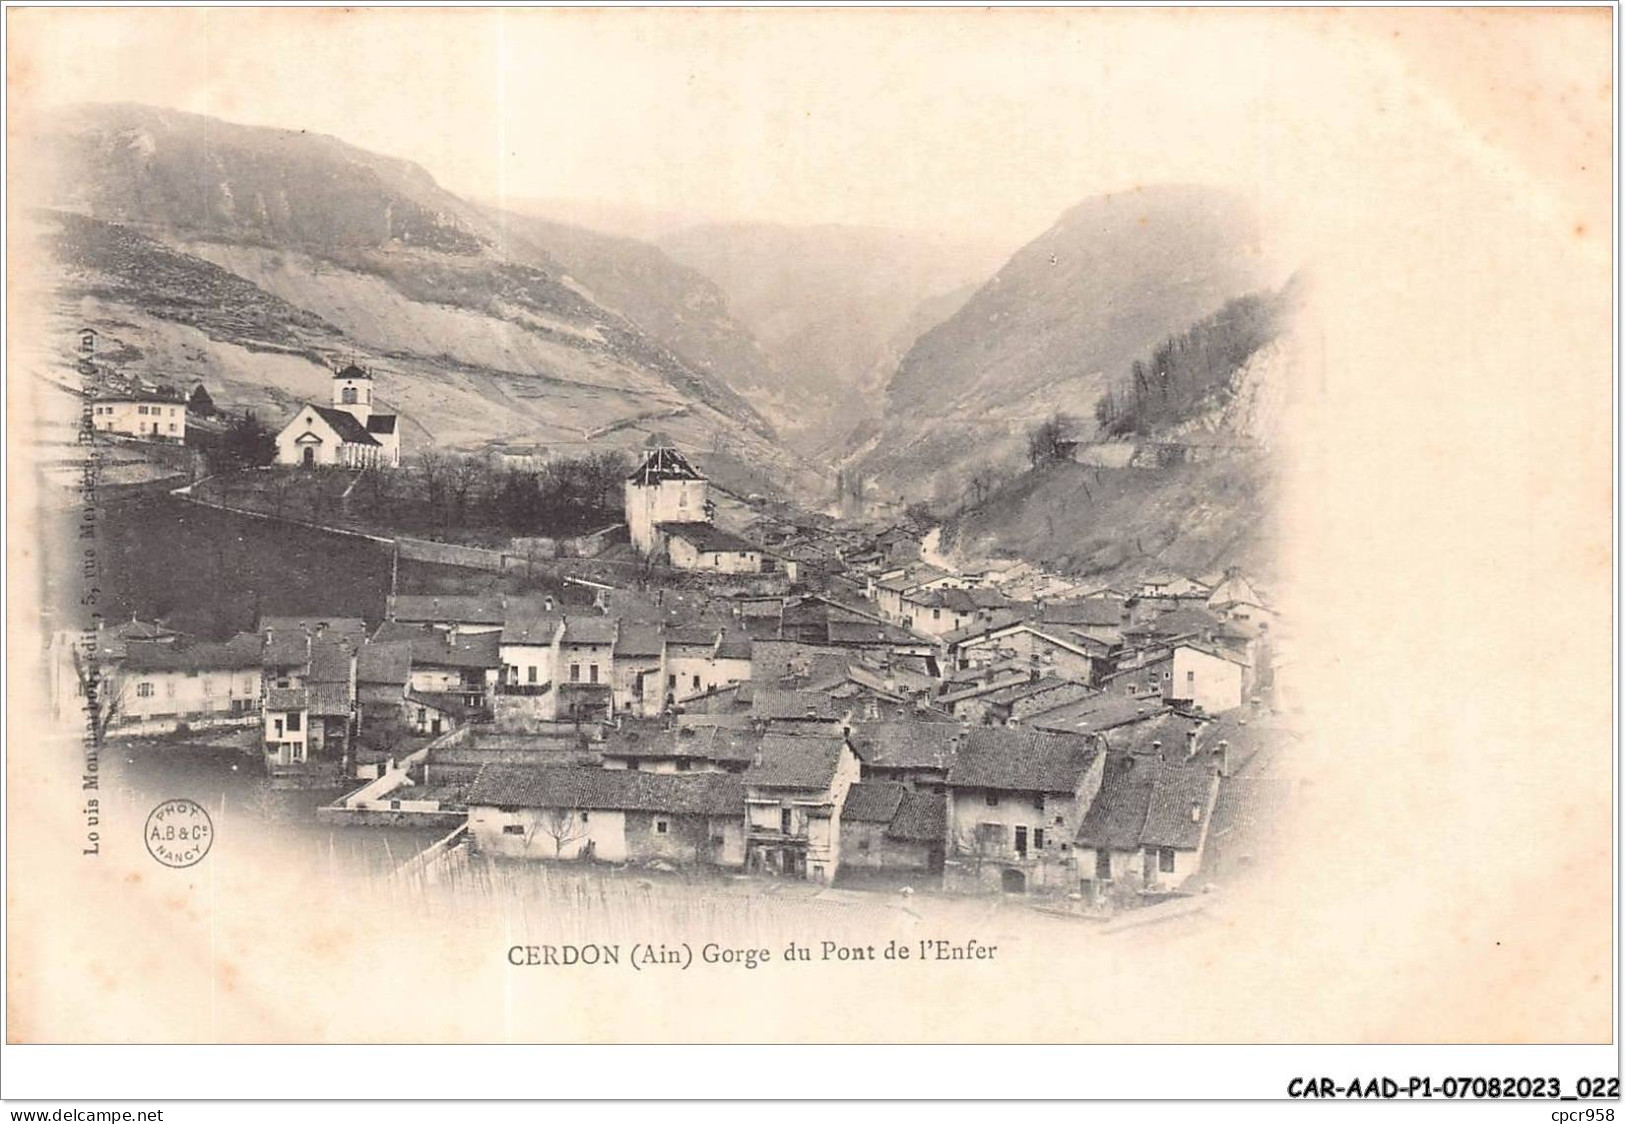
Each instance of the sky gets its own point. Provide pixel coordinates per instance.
(987, 123)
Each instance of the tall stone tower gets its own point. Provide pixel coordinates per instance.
(666, 488)
(352, 392)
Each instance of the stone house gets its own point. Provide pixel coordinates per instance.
(888, 826)
(1015, 800)
(794, 790)
(609, 815)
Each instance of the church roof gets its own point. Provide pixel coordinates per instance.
(352, 371)
(350, 431)
(664, 463)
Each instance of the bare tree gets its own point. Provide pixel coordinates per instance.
(563, 826)
(432, 467)
(103, 691)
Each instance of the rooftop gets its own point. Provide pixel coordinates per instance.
(804, 761)
(588, 788)
(1011, 759)
(708, 538)
(664, 463)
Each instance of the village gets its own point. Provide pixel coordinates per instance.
(805, 697)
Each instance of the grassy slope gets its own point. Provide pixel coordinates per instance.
(1118, 522)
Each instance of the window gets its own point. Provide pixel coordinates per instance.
(992, 799)
(863, 844)
(575, 673)
(661, 827)
(394, 805)
(1021, 842)
(1038, 801)
(671, 681)
(530, 674)
(696, 682)
(142, 410)
(1190, 679)
(683, 764)
(349, 396)
(592, 673)
(1165, 860)
(1038, 839)
(990, 835)
(936, 614)
(583, 817)
(169, 688)
(294, 718)
(143, 690)
(172, 427)
(513, 829)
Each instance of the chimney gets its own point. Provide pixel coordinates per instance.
(451, 635)
(1196, 811)
(1190, 743)
(1156, 748)
(1221, 754)
(547, 603)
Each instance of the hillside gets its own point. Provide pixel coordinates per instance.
(834, 309)
(252, 258)
(1200, 491)
(1113, 277)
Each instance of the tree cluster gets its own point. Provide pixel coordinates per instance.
(246, 442)
(1187, 372)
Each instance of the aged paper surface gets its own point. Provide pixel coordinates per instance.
(1444, 527)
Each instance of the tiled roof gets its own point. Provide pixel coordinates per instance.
(773, 702)
(707, 538)
(589, 630)
(922, 817)
(639, 640)
(350, 628)
(1000, 757)
(1091, 611)
(707, 743)
(241, 651)
(872, 802)
(1117, 815)
(1098, 713)
(906, 745)
(1178, 814)
(287, 698)
(330, 698)
(627, 790)
(868, 633)
(1001, 619)
(664, 463)
(290, 648)
(538, 629)
(795, 761)
(434, 648)
(350, 431)
(1016, 691)
(459, 609)
(734, 646)
(330, 660)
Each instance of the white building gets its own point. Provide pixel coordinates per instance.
(347, 433)
(155, 416)
(666, 488)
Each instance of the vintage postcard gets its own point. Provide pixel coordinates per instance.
(810, 526)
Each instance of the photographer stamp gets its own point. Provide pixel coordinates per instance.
(179, 833)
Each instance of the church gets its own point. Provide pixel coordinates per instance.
(347, 433)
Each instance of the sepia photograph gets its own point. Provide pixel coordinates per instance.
(794, 526)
